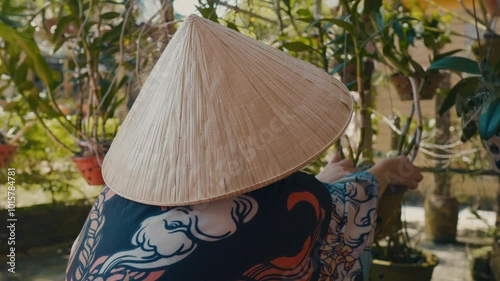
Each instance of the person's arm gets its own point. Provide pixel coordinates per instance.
(355, 200)
(336, 169)
(397, 171)
(352, 224)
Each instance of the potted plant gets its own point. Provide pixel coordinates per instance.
(98, 48)
(476, 100)
(14, 69)
(7, 152)
(405, 28)
(395, 252)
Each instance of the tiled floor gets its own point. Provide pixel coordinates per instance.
(454, 265)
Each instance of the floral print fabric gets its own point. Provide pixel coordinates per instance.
(352, 226)
(295, 229)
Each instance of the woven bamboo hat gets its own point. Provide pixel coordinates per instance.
(222, 114)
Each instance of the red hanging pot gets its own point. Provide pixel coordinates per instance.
(90, 168)
(7, 152)
(403, 86)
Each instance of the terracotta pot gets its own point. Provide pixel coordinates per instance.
(90, 168)
(351, 73)
(431, 85)
(493, 147)
(404, 90)
(492, 6)
(490, 50)
(403, 86)
(495, 262)
(391, 271)
(441, 218)
(388, 210)
(7, 152)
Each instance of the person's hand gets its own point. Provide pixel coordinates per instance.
(397, 171)
(336, 169)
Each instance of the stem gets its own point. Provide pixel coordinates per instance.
(416, 102)
(479, 50)
(47, 129)
(459, 171)
(277, 10)
(238, 10)
(405, 130)
(21, 132)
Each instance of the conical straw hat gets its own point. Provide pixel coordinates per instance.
(222, 114)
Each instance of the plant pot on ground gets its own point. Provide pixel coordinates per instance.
(395, 259)
(418, 271)
(479, 266)
(441, 218)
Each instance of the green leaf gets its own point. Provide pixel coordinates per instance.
(113, 35)
(74, 6)
(419, 70)
(447, 54)
(11, 106)
(20, 74)
(110, 15)
(209, 13)
(338, 68)
(309, 19)
(297, 46)
(304, 13)
(61, 42)
(468, 85)
(468, 131)
(233, 26)
(10, 22)
(341, 23)
(28, 45)
(62, 24)
(287, 4)
(457, 64)
(372, 5)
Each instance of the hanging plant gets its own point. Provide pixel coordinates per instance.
(7, 152)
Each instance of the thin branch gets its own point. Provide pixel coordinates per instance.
(47, 129)
(21, 132)
(448, 156)
(405, 129)
(239, 10)
(460, 171)
(418, 112)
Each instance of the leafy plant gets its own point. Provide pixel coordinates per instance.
(477, 98)
(102, 49)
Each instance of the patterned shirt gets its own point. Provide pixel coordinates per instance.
(294, 229)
